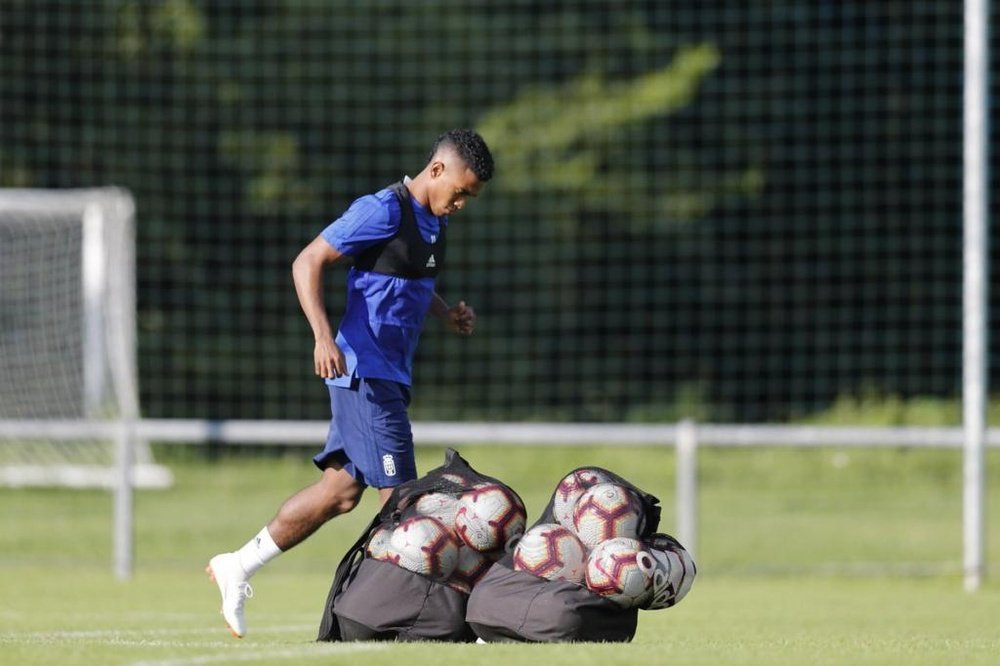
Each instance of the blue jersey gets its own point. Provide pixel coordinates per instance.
(385, 314)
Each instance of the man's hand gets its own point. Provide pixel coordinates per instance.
(329, 360)
(462, 318)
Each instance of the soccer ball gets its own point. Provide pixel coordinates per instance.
(454, 478)
(489, 516)
(378, 543)
(551, 551)
(425, 546)
(621, 569)
(606, 511)
(673, 571)
(472, 566)
(436, 505)
(569, 491)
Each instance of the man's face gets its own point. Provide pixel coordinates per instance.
(452, 184)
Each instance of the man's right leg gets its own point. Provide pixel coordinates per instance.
(302, 514)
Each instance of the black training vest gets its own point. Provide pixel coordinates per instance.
(406, 254)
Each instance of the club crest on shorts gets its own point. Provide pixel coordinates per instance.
(388, 465)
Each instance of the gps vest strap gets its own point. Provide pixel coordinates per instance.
(406, 254)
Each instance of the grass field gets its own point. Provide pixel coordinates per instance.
(806, 557)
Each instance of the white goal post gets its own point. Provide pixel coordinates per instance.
(68, 347)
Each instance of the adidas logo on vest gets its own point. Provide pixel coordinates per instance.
(430, 262)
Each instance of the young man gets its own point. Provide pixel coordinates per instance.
(396, 238)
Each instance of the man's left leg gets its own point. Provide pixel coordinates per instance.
(336, 492)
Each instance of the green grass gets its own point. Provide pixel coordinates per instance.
(806, 557)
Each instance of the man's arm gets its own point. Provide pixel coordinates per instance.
(307, 273)
(461, 318)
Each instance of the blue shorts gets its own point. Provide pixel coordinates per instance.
(370, 434)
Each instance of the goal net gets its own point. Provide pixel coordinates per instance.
(68, 387)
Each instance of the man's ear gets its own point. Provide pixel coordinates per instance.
(437, 168)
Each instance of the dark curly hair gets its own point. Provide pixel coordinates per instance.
(471, 148)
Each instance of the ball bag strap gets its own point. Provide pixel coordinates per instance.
(329, 628)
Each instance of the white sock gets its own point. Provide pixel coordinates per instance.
(257, 552)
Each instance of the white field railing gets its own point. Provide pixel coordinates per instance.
(686, 437)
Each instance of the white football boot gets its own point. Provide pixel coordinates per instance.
(227, 573)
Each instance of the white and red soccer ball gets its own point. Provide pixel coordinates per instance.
(378, 543)
(472, 566)
(436, 505)
(606, 511)
(569, 490)
(622, 570)
(424, 545)
(457, 479)
(489, 517)
(551, 551)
